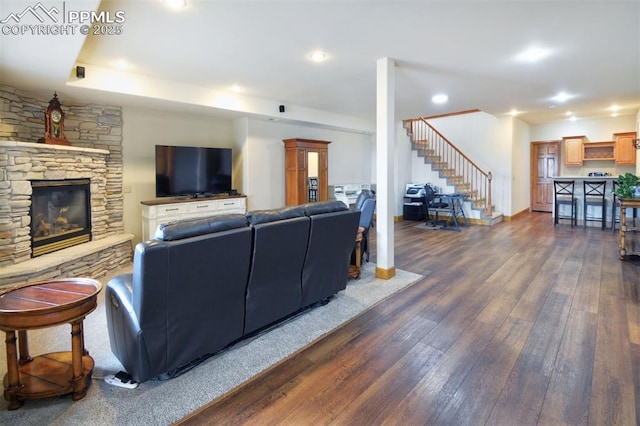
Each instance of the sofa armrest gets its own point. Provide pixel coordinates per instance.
(120, 294)
(125, 336)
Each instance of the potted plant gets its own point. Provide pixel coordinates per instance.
(627, 184)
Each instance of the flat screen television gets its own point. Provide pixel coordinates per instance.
(192, 171)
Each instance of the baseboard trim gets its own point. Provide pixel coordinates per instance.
(385, 274)
(512, 217)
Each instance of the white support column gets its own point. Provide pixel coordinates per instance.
(385, 142)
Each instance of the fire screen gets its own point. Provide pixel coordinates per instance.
(60, 214)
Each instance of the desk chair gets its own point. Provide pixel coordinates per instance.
(433, 202)
(563, 195)
(366, 222)
(360, 252)
(364, 195)
(594, 195)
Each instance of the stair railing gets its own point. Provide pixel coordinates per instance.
(425, 137)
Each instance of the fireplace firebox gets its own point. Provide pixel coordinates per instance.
(60, 214)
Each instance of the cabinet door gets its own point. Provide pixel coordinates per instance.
(323, 175)
(302, 192)
(625, 151)
(573, 152)
(291, 176)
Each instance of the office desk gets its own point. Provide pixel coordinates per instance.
(456, 211)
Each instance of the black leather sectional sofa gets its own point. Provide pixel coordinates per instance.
(203, 284)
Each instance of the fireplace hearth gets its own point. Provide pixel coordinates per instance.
(60, 214)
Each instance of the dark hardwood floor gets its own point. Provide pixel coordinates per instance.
(517, 324)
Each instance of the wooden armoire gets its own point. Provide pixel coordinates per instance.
(305, 158)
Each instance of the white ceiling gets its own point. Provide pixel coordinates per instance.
(465, 49)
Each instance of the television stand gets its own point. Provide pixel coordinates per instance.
(164, 210)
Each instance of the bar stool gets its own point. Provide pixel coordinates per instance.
(563, 195)
(594, 195)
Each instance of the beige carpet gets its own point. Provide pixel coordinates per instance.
(163, 402)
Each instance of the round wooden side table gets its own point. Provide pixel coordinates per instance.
(39, 305)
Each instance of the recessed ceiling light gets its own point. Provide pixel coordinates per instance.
(572, 118)
(568, 113)
(614, 108)
(533, 54)
(561, 97)
(121, 64)
(514, 112)
(236, 88)
(440, 99)
(318, 56)
(175, 3)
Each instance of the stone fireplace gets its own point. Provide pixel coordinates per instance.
(41, 180)
(60, 214)
(95, 157)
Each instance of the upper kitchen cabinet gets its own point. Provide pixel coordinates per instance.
(573, 150)
(625, 151)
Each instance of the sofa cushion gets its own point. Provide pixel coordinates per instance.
(311, 209)
(264, 216)
(180, 229)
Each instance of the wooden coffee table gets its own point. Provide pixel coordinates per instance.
(39, 305)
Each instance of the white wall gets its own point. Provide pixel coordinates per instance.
(143, 129)
(597, 130)
(520, 167)
(349, 159)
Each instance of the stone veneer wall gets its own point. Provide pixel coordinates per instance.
(21, 162)
(98, 127)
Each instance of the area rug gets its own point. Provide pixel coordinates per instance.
(158, 402)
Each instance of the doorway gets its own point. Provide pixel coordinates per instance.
(545, 164)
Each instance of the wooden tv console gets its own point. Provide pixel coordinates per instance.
(164, 210)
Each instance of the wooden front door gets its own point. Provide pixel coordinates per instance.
(545, 163)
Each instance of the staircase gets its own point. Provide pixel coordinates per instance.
(454, 166)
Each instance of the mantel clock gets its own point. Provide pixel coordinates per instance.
(54, 123)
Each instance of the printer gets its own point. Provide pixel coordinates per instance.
(413, 202)
(414, 192)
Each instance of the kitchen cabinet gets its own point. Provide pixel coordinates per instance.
(306, 160)
(573, 150)
(600, 151)
(625, 151)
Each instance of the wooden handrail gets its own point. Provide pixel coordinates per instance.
(425, 136)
